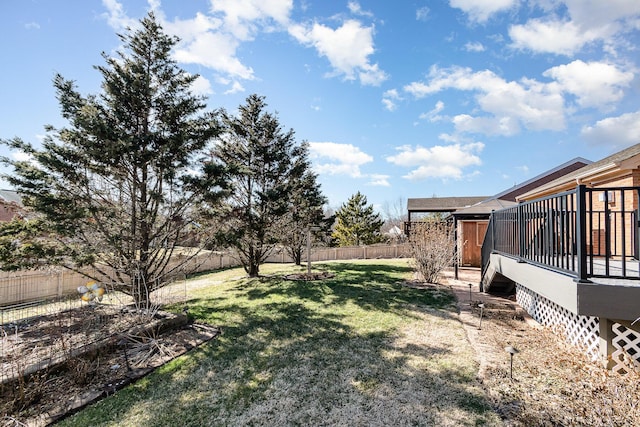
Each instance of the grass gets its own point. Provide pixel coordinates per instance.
(358, 349)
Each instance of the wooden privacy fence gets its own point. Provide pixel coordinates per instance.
(33, 285)
(346, 253)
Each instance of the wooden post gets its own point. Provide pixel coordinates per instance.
(309, 251)
(605, 343)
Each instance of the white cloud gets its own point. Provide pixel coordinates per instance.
(620, 131)
(595, 84)
(389, 99)
(422, 14)
(572, 24)
(347, 48)
(440, 161)
(505, 126)
(552, 36)
(338, 159)
(378, 180)
(433, 115)
(21, 156)
(481, 10)
(243, 17)
(474, 47)
(614, 14)
(509, 104)
(216, 51)
(236, 87)
(32, 26)
(116, 17)
(212, 39)
(356, 9)
(202, 86)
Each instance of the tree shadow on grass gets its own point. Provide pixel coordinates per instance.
(282, 361)
(370, 286)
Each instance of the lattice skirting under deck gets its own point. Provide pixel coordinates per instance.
(626, 343)
(583, 331)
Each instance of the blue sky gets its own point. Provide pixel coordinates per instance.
(398, 99)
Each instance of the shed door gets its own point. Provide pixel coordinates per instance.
(472, 236)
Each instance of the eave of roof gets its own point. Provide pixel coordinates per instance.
(484, 208)
(605, 169)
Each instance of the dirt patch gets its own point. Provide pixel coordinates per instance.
(551, 382)
(48, 373)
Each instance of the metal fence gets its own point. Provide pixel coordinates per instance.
(586, 232)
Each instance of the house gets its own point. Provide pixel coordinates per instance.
(471, 214)
(471, 222)
(571, 248)
(10, 205)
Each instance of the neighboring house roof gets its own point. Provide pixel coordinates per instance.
(10, 196)
(394, 231)
(442, 204)
(593, 174)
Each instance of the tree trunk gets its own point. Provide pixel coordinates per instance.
(141, 293)
(253, 269)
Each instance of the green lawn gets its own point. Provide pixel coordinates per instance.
(360, 349)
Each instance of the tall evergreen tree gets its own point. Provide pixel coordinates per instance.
(305, 217)
(116, 188)
(261, 158)
(357, 223)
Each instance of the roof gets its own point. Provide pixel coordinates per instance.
(543, 178)
(484, 208)
(590, 174)
(11, 196)
(442, 204)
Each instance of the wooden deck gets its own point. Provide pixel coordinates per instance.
(610, 297)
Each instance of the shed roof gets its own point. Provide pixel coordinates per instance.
(442, 204)
(484, 208)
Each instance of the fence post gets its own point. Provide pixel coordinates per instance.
(521, 232)
(581, 233)
(492, 217)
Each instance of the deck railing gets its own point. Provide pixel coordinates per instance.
(585, 232)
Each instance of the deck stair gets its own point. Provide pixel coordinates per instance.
(492, 281)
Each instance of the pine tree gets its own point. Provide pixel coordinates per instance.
(264, 167)
(115, 188)
(356, 223)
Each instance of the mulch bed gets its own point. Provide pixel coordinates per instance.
(309, 276)
(60, 381)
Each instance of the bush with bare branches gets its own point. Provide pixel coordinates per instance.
(432, 248)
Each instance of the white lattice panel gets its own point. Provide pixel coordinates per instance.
(627, 348)
(581, 331)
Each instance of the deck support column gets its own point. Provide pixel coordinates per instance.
(606, 342)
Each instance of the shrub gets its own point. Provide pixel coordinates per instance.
(432, 248)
